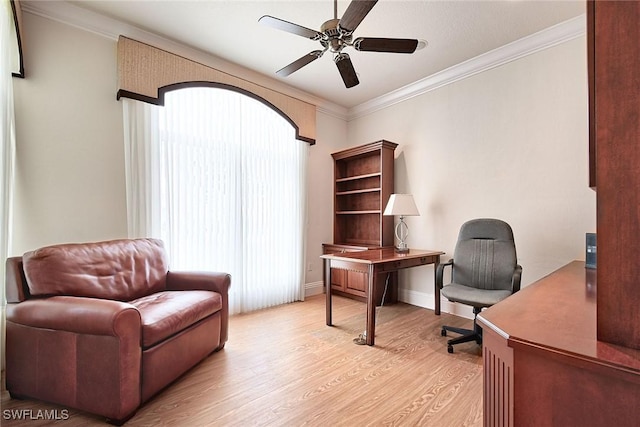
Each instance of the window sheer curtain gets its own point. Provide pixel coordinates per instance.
(221, 179)
(7, 150)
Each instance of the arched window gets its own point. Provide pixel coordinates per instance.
(221, 179)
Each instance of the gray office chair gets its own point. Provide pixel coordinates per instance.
(484, 271)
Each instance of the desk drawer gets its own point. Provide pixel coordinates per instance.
(328, 248)
(406, 263)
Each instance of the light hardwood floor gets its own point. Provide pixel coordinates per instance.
(284, 367)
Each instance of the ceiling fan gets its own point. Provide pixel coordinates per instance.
(336, 34)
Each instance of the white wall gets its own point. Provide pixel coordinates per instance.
(70, 183)
(331, 137)
(510, 143)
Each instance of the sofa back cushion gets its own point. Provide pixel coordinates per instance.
(118, 269)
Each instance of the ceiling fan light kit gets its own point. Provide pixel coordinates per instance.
(336, 34)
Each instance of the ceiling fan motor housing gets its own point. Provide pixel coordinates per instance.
(335, 39)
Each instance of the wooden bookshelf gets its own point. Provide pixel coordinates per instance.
(363, 183)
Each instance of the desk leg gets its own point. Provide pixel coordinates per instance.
(435, 285)
(327, 289)
(371, 307)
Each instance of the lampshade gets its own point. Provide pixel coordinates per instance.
(401, 205)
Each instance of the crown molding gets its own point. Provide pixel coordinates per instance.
(86, 20)
(549, 37)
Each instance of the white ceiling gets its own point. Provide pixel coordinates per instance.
(455, 30)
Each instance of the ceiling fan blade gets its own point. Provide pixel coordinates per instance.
(289, 27)
(374, 44)
(299, 63)
(355, 13)
(347, 72)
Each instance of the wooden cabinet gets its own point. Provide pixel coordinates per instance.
(351, 282)
(614, 61)
(363, 183)
(543, 363)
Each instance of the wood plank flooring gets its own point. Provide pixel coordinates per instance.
(284, 367)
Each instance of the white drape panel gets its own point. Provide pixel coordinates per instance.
(220, 177)
(141, 136)
(7, 149)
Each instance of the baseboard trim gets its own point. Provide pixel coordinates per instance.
(313, 288)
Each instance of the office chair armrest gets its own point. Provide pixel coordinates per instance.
(515, 280)
(440, 272)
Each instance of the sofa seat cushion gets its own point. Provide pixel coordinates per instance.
(166, 313)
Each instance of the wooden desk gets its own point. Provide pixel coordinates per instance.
(544, 365)
(373, 262)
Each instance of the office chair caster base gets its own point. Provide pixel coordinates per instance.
(450, 348)
(443, 332)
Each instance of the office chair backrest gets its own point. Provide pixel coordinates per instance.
(485, 255)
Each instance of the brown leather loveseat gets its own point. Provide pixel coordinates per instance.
(103, 327)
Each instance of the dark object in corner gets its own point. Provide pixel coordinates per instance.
(591, 252)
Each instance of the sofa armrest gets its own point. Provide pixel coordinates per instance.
(15, 284)
(77, 314)
(207, 281)
(83, 353)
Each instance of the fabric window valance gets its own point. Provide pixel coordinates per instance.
(145, 73)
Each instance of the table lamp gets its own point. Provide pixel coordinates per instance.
(401, 205)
